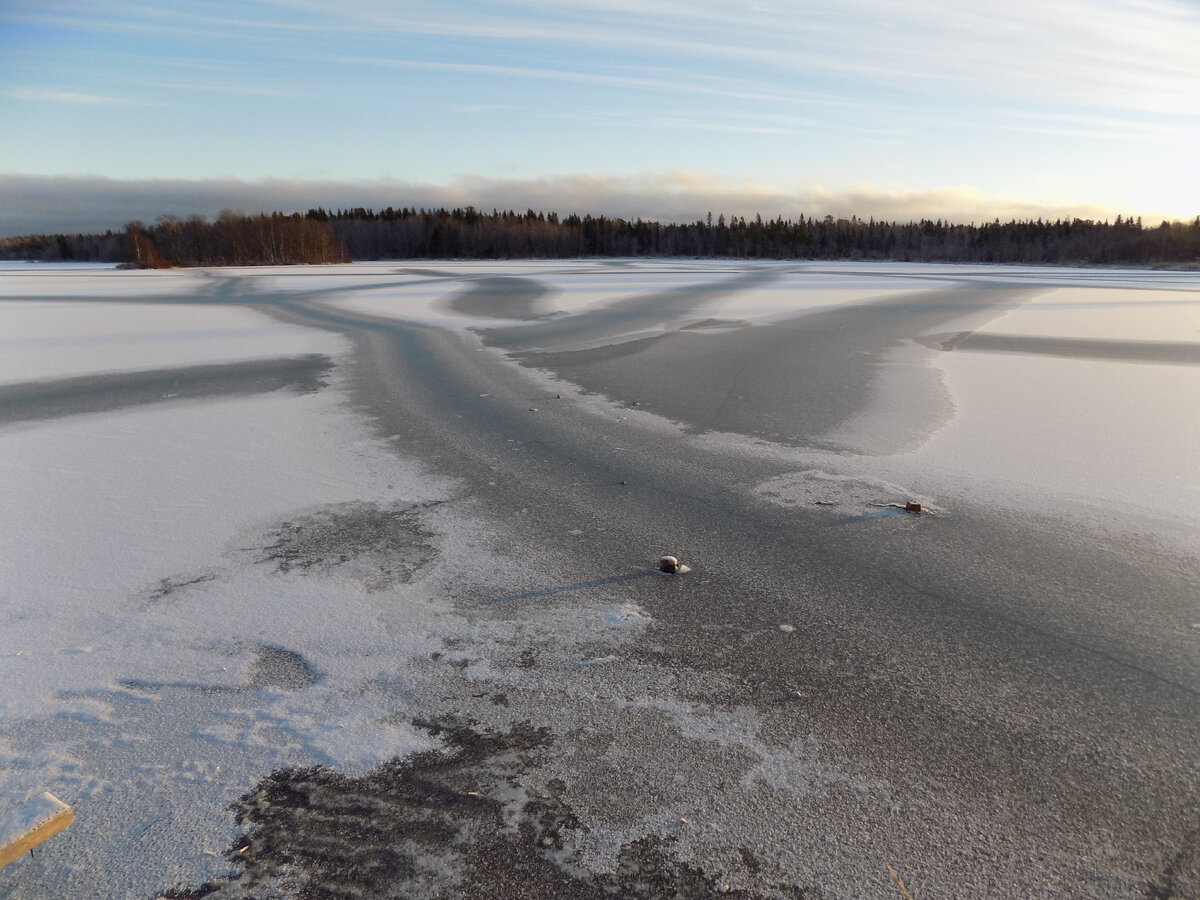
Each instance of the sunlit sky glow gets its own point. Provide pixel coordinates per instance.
(654, 108)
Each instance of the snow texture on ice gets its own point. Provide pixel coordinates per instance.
(197, 594)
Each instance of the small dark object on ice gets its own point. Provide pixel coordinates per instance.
(911, 506)
(671, 566)
(624, 482)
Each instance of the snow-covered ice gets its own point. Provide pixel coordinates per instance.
(55, 339)
(156, 660)
(162, 648)
(1111, 441)
(138, 646)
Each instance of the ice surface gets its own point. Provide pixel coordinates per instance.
(166, 639)
(1125, 314)
(1031, 430)
(1078, 436)
(134, 627)
(625, 615)
(53, 339)
(141, 596)
(420, 294)
(23, 281)
(1018, 424)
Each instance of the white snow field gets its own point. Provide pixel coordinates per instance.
(120, 568)
(1112, 443)
(163, 646)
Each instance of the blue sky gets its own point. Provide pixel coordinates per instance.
(654, 108)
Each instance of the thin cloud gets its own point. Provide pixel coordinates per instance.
(1099, 127)
(1110, 54)
(729, 127)
(474, 108)
(50, 95)
(44, 204)
(680, 82)
(239, 89)
(126, 18)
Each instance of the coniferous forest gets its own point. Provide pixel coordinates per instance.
(321, 236)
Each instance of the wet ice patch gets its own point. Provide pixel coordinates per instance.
(377, 545)
(843, 495)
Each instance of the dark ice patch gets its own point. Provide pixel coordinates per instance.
(272, 667)
(428, 273)
(794, 381)
(1162, 353)
(615, 321)
(503, 297)
(280, 668)
(169, 586)
(459, 822)
(40, 400)
(716, 325)
(380, 545)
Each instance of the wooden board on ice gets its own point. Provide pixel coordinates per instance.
(25, 827)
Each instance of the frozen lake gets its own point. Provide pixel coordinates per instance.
(265, 520)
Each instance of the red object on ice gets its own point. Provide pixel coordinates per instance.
(912, 506)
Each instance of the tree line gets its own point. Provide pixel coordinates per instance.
(321, 236)
(231, 239)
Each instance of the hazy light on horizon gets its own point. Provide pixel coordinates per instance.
(49, 204)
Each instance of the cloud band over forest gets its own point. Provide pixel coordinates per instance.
(31, 204)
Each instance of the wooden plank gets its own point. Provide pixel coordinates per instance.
(28, 825)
